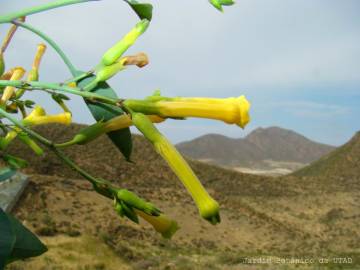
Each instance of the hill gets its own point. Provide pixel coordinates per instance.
(343, 162)
(274, 217)
(263, 148)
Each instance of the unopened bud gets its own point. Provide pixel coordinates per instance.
(114, 53)
(219, 3)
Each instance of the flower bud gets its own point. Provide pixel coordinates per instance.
(136, 202)
(86, 135)
(219, 3)
(114, 53)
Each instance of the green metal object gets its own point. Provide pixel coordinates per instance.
(6, 173)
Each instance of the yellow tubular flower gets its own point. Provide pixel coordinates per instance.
(9, 90)
(124, 121)
(11, 135)
(39, 54)
(61, 118)
(38, 117)
(162, 224)
(37, 111)
(229, 110)
(34, 72)
(7, 75)
(208, 207)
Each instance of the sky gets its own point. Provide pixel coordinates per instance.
(297, 62)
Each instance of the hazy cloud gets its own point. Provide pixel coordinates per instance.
(264, 49)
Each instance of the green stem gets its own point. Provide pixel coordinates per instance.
(28, 11)
(33, 85)
(52, 43)
(100, 185)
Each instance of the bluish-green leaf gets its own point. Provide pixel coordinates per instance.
(7, 239)
(26, 243)
(121, 138)
(143, 10)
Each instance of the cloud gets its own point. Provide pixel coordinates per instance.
(309, 109)
(273, 51)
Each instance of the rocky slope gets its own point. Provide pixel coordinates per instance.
(292, 216)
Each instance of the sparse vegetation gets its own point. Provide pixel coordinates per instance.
(263, 216)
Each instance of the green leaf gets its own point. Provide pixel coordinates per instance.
(143, 10)
(121, 138)
(26, 244)
(29, 103)
(59, 97)
(7, 238)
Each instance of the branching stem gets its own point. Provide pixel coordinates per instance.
(102, 186)
(33, 85)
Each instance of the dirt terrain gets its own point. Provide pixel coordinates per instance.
(309, 217)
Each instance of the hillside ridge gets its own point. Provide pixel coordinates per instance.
(254, 150)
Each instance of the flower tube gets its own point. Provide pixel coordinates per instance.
(208, 207)
(162, 224)
(61, 118)
(229, 110)
(10, 90)
(94, 131)
(5, 44)
(36, 117)
(34, 72)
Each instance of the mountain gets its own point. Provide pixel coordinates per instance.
(343, 162)
(284, 217)
(262, 148)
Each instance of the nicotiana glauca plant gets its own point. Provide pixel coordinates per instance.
(113, 116)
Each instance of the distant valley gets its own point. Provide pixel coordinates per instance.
(269, 151)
